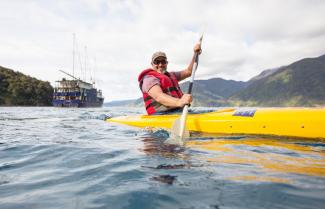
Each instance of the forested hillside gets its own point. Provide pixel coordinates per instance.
(17, 89)
(301, 83)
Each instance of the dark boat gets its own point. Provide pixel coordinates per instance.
(76, 93)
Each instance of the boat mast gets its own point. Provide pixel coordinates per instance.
(73, 53)
(94, 73)
(85, 76)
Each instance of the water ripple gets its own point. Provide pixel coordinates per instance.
(72, 158)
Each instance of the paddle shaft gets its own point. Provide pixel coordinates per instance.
(190, 87)
(196, 63)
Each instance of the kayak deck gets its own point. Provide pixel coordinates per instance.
(291, 122)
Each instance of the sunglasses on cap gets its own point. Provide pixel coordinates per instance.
(163, 62)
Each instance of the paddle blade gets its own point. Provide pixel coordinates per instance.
(175, 135)
(176, 128)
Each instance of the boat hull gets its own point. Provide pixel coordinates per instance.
(291, 122)
(76, 103)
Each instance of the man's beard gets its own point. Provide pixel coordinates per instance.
(162, 70)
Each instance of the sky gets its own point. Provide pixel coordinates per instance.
(115, 39)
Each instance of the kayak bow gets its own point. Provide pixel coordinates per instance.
(291, 122)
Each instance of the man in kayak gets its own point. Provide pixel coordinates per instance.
(160, 88)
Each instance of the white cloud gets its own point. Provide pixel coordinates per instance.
(242, 38)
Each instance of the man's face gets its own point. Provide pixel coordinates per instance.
(160, 64)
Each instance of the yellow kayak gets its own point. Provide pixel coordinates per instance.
(291, 122)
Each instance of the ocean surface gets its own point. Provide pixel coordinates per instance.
(71, 158)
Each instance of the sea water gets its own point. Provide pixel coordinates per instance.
(71, 158)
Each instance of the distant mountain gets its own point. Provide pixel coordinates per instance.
(213, 92)
(263, 74)
(130, 102)
(301, 83)
(17, 89)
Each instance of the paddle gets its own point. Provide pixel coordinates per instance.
(178, 130)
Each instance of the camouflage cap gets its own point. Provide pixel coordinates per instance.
(158, 54)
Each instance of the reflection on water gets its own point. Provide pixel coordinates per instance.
(264, 159)
(267, 156)
(153, 144)
(167, 179)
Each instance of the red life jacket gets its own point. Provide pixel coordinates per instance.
(168, 84)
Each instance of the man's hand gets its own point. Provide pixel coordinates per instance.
(197, 48)
(185, 100)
